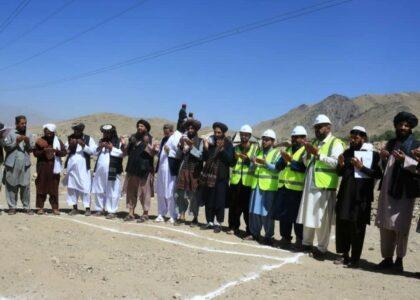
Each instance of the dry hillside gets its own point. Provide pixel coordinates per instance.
(375, 112)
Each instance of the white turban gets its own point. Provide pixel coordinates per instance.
(51, 127)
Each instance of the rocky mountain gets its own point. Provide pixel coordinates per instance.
(374, 112)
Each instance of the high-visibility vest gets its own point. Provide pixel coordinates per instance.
(241, 171)
(326, 177)
(290, 179)
(267, 180)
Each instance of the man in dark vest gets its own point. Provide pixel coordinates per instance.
(78, 178)
(140, 172)
(400, 187)
(106, 184)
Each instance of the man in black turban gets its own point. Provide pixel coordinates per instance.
(218, 155)
(400, 187)
(407, 117)
(194, 123)
(223, 127)
(144, 123)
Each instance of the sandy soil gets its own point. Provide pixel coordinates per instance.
(47, 257)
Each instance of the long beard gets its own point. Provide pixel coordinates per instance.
(49, 139)
(191, 135)
(22, 131)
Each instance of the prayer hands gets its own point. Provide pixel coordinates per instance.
(243, 156)
(384, 154)
(259, 161)
(81, 143)
(416, 154)
(287, 158)
(220, 144)
(341, 160)
(310, 149)
(206, 144)
(49, 153)
(358, 164)
(399, 155)
(166, 149)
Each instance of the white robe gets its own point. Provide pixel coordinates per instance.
(107, 192)
(316, 202)
(165, 185)
(78, 177)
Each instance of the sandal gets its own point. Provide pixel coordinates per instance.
(129, 218)
(143, 219)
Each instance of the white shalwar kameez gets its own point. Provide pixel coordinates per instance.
(78, 178)
(316, 210)
(165, 185)
(107, 192)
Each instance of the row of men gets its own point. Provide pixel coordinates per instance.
(296, 186)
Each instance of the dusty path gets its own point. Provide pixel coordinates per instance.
(88, 257)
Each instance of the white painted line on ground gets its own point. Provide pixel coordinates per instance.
(249, 277)
(204, 237)
(171, 241)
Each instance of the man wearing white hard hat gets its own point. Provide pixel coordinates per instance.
(316, 209)
(241, 181)
(49, 150)
(264, 188)
(359, 167)
(291, 181)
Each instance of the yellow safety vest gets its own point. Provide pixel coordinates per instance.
(326, 177)
(241, 171)
(267, 180)
(292, 180)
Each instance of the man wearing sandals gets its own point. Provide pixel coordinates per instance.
(18, 145)
(48, 150)
(106, 184)
(139, 181)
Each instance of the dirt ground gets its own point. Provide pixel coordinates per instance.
(47, 257)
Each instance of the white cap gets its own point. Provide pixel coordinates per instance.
(322, 119)
(269, 133)
(51, 127)
(359, 128)
(246, 129)
(299, 130)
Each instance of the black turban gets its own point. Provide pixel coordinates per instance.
(1, 126)
(223, 127)
(405, 116)
(78, 126)
(194, 123)
(144, 123)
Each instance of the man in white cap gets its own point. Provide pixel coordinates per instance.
(18, 144)
(48, 150)
(359, 167)
(106, 183)
(264, 187)
(291, 181)
(316, 209)
(241, 181)
(78, 179)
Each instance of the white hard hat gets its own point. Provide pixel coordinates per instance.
(269, 133)
(246, 129)
(299, 130)
(322, 119)
(359, 128)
